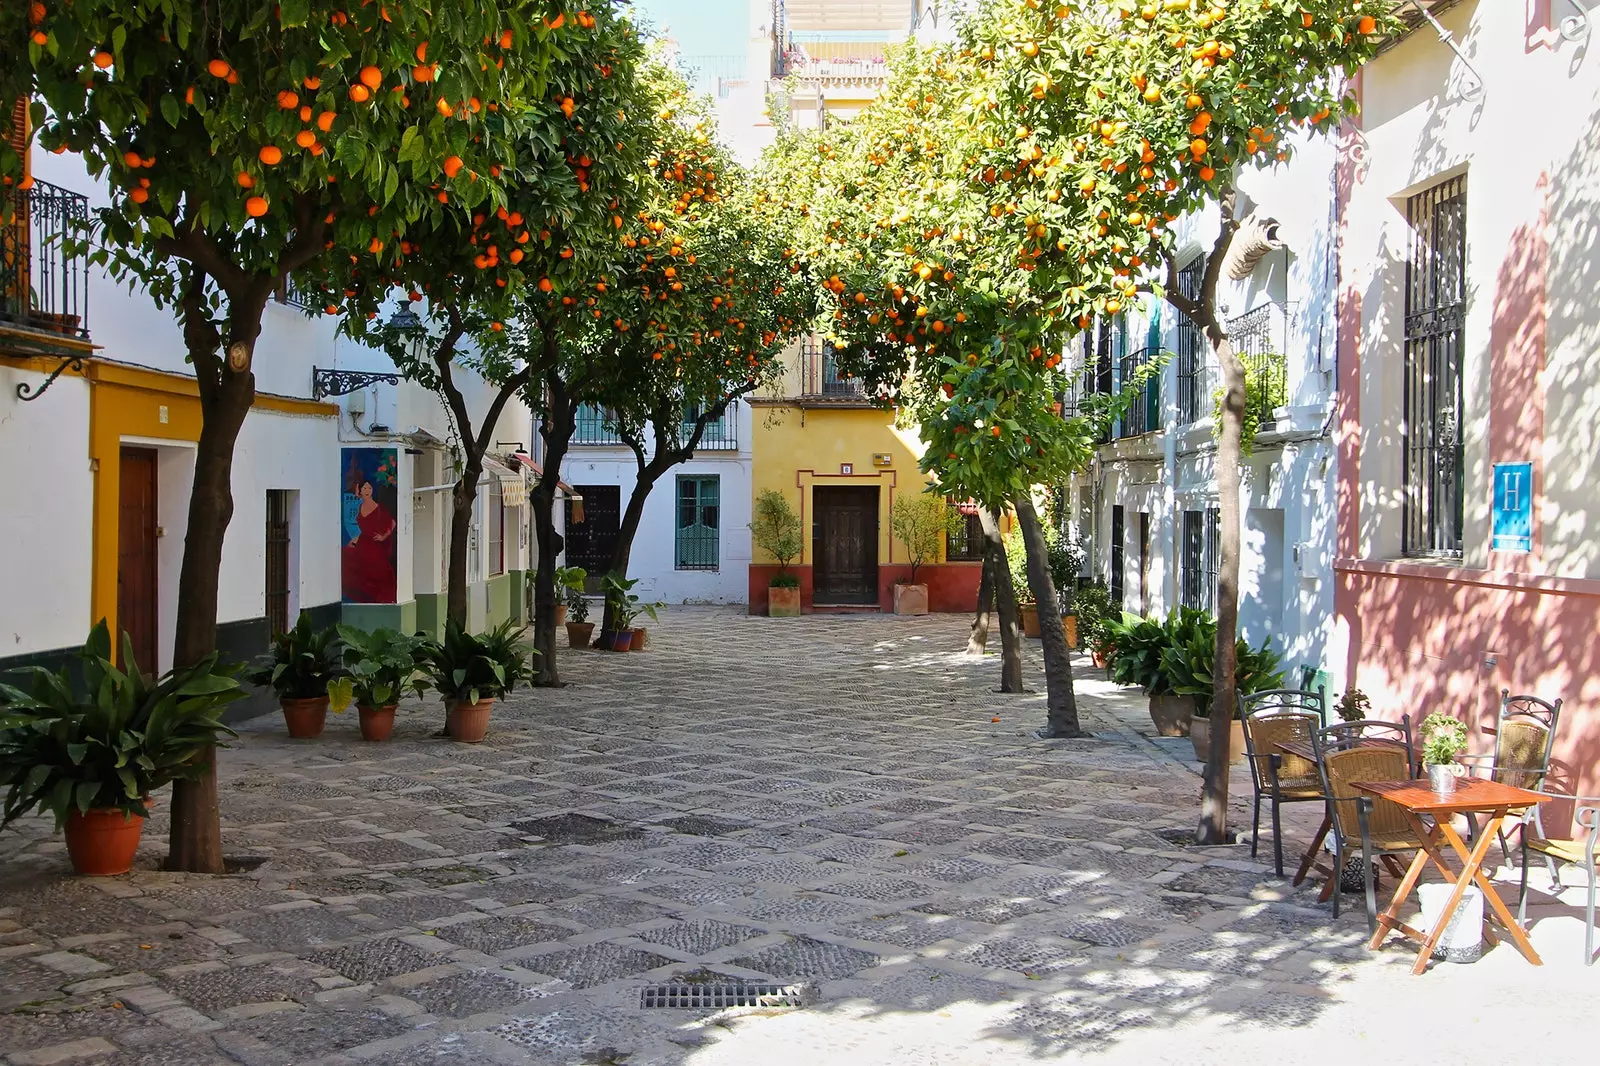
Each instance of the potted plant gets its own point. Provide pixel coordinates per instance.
(776, 531)
(1065, 559)
(921, 523)
(1352, 706)
(93, 755)
(378, 669)
(627, 607)
(567, 579)
(472, 671)
(1092, 605)
(1135, 647)
(303, 668)
(1017, 567)
(1443, 738)
(579, 628)
(1189, 664)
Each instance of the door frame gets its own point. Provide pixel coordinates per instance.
(820, 595)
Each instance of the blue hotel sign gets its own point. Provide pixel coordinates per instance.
(1511, 527)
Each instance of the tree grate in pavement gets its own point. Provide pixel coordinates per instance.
(574, 829)
(697, 996)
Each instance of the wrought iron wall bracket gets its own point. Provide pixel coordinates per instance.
(26, 394)
(1575, 27)
(326, 383)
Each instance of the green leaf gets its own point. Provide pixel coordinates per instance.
(292, 13)
(84, 795)
(76, 752)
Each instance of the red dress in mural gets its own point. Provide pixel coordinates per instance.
(369, 559)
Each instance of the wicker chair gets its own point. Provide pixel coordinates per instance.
(1271, 718)
(1377, 826)
(1525, 734)
(1577, 852)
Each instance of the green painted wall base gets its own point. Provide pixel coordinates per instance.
(369, 616)
(499, 600)
(430, 614)
(519, 595)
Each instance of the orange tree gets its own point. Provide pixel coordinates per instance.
(712, 295)
(930, 296)
(243, 142)
(1143, 111)
(487, 280)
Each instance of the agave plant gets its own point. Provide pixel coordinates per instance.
(466, 667)
(111, 742)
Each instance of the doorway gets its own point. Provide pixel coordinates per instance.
(589, 543)
(136, 557)
(844, 547)
(1144, 564)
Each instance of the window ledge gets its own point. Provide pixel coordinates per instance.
(1452, 571)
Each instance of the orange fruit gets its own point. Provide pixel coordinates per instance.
(305, 138)
(288, 100)
(371, 77)
(444, 107)
(422, 52)
(516, 255)
(41, 38)
(103, 60)
(305, 114)
(1367, 25)
(132, 159)
(1206, 173)
(422, 72)
(245, 180)
(452, 166)
(505, 38)
(218, 68)
(312, 83)
(1193, 102)
(256, 206)
(545, 285)
(360, 93)
(375, 246)
(270, 154)
(138, 194)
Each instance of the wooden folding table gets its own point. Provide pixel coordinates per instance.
(1472, 795)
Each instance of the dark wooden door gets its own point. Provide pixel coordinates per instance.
(844, 548)
(277, 560)
(1144, 563)
(591, 542)
(1119, 534)
(136, 556)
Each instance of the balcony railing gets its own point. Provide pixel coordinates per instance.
(44, 276)
(594, 426)
(719, 436)
(1144, 410)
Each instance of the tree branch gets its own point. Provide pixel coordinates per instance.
(191, 243)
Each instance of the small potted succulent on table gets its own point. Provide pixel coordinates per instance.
(1443, 738)
(379, 668)
(303, 668)
(92, 755)
(472, 671)
(579, 629)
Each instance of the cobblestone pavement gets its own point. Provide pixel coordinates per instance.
(840, 805)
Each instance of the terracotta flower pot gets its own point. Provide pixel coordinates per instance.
(305, 717)
(1030, 620)
(579, 634)
(911, 599)
(1069, 623)
(376, 722)
(639, 637)
(1102, 659)
(102, 842)
(468, 722)
(622, 640)
(1200, 737)
(1172, 714)
(561, 614)
(782, 602)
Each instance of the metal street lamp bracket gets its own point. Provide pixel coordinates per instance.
(325, 383)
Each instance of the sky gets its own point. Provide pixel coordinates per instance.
(711, 34)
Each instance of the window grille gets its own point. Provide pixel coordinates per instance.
(1194, 393)
(277, 585)
(966, 543)
(1118, 549)
(699, 522)
(594, 425)
(722, 434)
(1202, 537)
(495, 528)
(1435, 310)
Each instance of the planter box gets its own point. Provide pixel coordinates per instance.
(1030, 620)
(1172, 715)
(911, 599)
(1200, 737)
(783, 603)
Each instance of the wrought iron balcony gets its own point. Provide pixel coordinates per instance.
(595, 425)
(719, 436)
(1144, 410)
(44, 271)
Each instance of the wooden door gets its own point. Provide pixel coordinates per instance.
(591, 542)
(136, 556)
(1144, 563)
(277, 560)
(844, 548)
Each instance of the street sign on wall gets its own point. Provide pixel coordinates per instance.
(1511, 524)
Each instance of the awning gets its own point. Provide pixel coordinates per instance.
(563, 490)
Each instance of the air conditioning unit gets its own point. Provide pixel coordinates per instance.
(882, 459)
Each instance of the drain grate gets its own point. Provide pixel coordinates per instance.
(709, 996)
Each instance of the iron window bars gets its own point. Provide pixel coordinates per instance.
(699, 522)
(1194, 376)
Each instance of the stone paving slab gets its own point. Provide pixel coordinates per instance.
(826, 800)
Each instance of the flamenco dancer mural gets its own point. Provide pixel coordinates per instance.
(368, 525)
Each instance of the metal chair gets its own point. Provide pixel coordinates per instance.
(1272, 718)
(1370, 731)
(1572, 852)
(1525, 735)
(1379, 825)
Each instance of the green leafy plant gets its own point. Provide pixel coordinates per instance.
(922, 522)
(1136, 645)
(785, 581)
(466, 668)
(775, 528)
(1017, 566)
(380, 666)
(1188, 666)
(1352, 706)
(626, 604)
(1266, 388)
(1095, 615)
(111, 742)
(1065, 559)
(1443, 738)
(304, 663)
(572, 580)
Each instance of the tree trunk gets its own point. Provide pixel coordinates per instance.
(1061, 702)
(194, 841)
(994, 560)
(462, 497)
(1214, 792)
(978, 640)
(626, 531)
(557, 432)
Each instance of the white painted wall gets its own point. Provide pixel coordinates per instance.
(47, 520)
